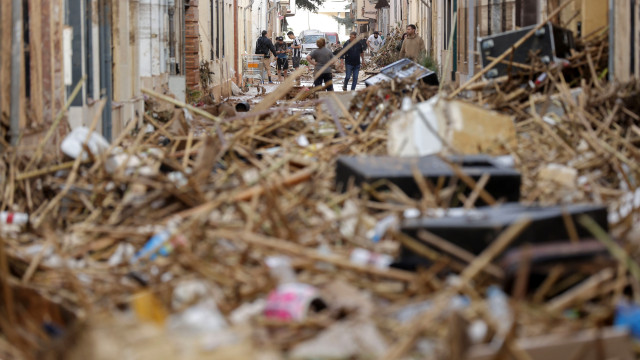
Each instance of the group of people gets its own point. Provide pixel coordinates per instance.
(412, 46)
(281, 52)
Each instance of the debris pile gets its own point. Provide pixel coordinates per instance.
(193, 236)
(389, 52)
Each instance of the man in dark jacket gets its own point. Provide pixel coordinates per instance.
(352, 61)
(263, 46)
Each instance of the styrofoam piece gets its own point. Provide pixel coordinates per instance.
(72, 143)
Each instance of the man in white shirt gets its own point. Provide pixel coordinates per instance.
(295, 47)
(374, 43)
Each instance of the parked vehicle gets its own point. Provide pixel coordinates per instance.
(308, 39)
(332, 37)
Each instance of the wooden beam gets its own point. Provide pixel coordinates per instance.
(5, 58)
(36, 102)
(622, 39)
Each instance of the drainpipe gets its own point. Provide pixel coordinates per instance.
(217, 28)
(172, 37)
(454, 56)
(472, 36)
(612, 34)
(266, 17)
(106, 78)
(16, 48)
(183, 38)
(235, 40)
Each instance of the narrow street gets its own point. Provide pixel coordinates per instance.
(476, 196)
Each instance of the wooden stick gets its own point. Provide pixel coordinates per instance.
(420, 323)
(618, 252)
(453, 249)
(511, 63)
(293, 179)
(46, 170)
(54, 125)
(508, 52)
(181, 104)
(469, 181)
(550, 280)
(473, 197)
(73, 174)
(581, 292)
(297, 250)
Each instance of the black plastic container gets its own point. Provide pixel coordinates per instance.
(503, 184)
(477, 229)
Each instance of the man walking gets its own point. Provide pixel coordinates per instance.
(374, 43)
(352, 61)
(263, 46)
(282, 64)
(413, 46)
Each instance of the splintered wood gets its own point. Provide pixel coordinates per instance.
(188, 217)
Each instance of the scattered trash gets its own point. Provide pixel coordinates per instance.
(365, 257)
(282, 244)
(72, 145)
(292, 302)
(627, 315)
(7, 217)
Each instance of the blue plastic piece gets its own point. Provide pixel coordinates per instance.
(628, 316)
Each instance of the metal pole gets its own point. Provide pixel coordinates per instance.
(472, 35)
(16, 49)
(106, 79)
(612, 40)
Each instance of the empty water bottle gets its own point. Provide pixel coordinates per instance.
(499, 309)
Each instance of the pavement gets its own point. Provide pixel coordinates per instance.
(338, 79)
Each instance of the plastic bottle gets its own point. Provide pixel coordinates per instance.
(364, 257)
(499, 309)
(7, 217)
(152, 246)
(382, 226)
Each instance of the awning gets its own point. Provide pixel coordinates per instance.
(362, 22)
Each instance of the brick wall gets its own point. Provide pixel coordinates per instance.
(192, 44)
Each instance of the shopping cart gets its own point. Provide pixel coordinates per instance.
(252, 72)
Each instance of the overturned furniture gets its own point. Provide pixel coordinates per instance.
(401, 69)
(551, 44)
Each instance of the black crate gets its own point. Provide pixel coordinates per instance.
(476, 230)
(550, 44)
(503, 184)
(402, 69)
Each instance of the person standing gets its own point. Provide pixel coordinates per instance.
(399, 46)
(413, 46)
(374, 42)
(319, 58)
(352, 61)
(295, 47)
(263, 46)
(282, 62)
